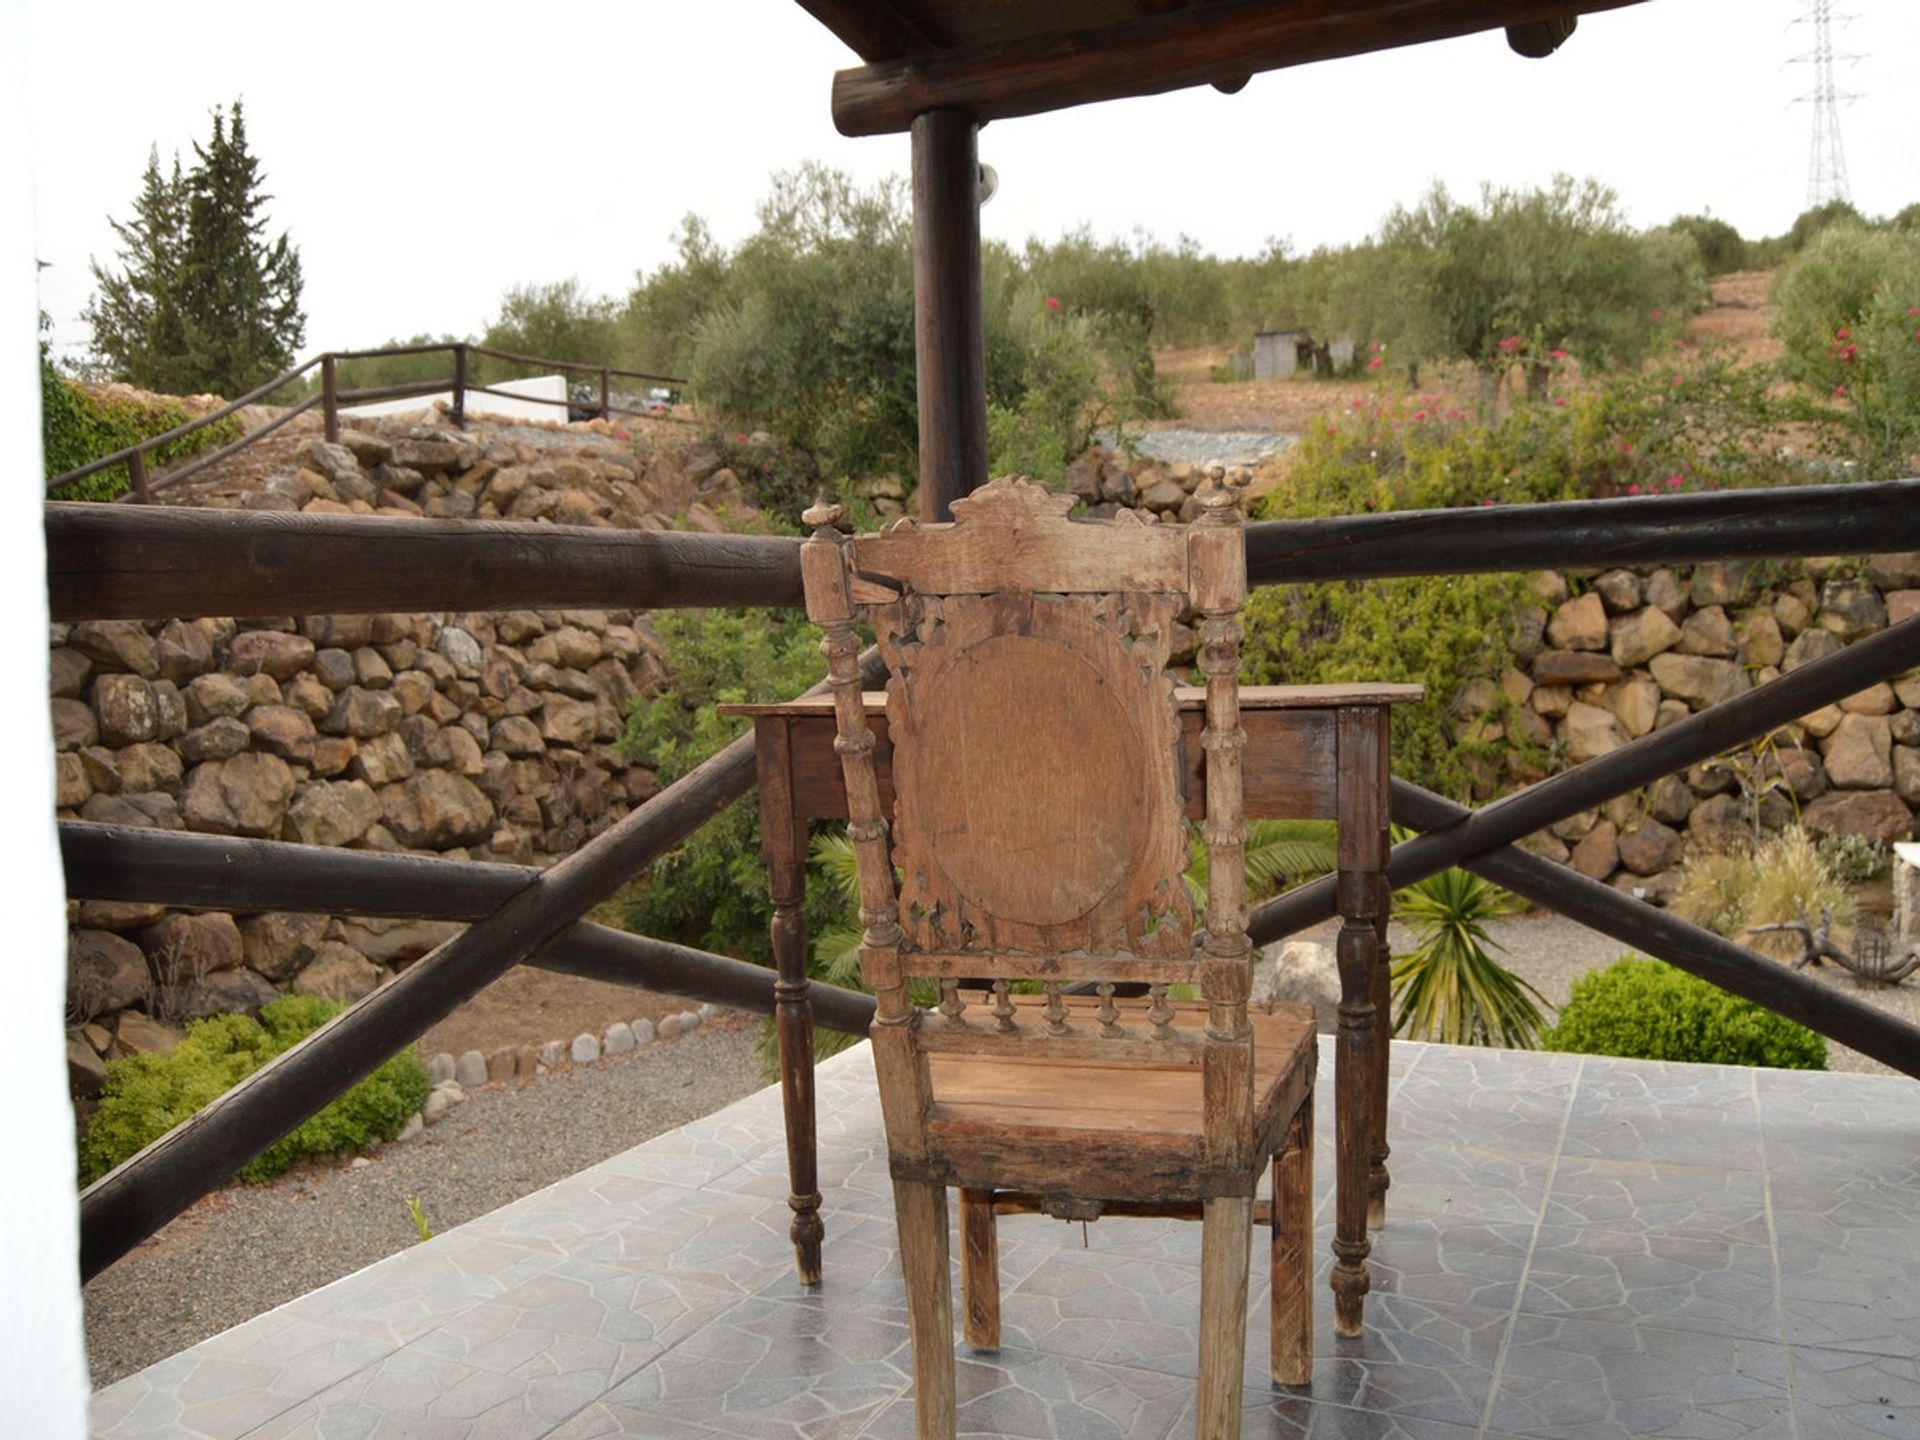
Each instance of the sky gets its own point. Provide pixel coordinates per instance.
(426, 158)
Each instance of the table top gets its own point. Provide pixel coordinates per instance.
(1187, 697)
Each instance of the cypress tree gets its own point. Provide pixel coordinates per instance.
(206, 301)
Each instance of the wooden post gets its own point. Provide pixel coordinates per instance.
(1377, 1178)
(137, 473)
(460, 387)
(606, 397)
(783, 838)
(948, 330)
(330, 399)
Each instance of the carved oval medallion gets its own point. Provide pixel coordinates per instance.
(1027, 778)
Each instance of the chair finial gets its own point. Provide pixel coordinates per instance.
(823, 514)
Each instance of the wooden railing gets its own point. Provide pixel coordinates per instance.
(108, 562)
(142, 483)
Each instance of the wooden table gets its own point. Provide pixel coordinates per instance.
(1313, 752)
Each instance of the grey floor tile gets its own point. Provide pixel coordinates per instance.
(1640, 1278)
(1454, 1261)
(1844, 1393)
(1455, 1182)
(1661, 1198)
(1722, 1134)
(771, 1368)
(1020, 1395)
(1583, 1380)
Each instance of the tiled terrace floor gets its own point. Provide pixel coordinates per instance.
(1576, 1248)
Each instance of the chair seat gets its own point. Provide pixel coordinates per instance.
(1034, 1124)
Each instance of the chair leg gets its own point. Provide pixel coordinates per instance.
(1293, 1252)
(1226, 1239)
(920, 1209)
(979, 1270)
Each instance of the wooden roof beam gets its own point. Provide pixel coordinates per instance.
(1155, 53)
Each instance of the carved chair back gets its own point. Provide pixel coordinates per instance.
(1037, 832)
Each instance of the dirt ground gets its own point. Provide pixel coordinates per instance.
(530, 1007)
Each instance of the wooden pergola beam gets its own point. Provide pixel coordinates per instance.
(1198, 45)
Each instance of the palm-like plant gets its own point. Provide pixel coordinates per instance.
(1277, 851)
(1448, 987)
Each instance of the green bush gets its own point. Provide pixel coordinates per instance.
(147, 1095)
(77, 427)
(1648, 1010)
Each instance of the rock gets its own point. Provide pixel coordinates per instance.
(642, 1031)
(690, 1021)
(104, 973)
(67, 672)
(148, 768)
(1636, 701)
(1654, 889)
(1758, 639)
(338, 972)
(334, 668)
(1822, 722)
(1698, 680)
(416, 1122)
(470, 1070)
(1805, 776)
(1880, 815)
(1649, 847)
(127, 710)
(1720, 582)
(1670, 800)
(216, 740)
(576, 649)
(282, 730)
(439, 1101)
(1637, 637)
(306, 694)
(227, 992)
(1590, 732)
(585, 1049)
(1874, 700)
(707, 1010)
(86, 1071)
(1665, 593)
(1850, 609)
(245, 795)
(502, 1063)
(669, 1028)
(1573, 667)
(619, 1038)
(567, 722)
(332, 812)
(395, 941)
(117, 645)
(382, 760)
(1809, 646)
(1902, 605)
(180, 947)
(1906, 773)
(1858, 753)
(1598, 854)
(437, 809)
(516, 735)
(103, 769)
(269, 652)
(554, 1054)
(74, 725)
(460, 650)
(363, 713)
(1298, 972)
(211, 697)
(1619, 590)
(71, 788)
(440, 1068)
(139, 1034)
(1579, 624)
(526, 1061)
(1710, 632)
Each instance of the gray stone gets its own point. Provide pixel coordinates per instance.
(416, 1122)
(459, 649)
(1850, 609)
(104, 973)
(1664, 592)
(1579, 624)
(471, 1069)
(585, 1049)
(619, 1038)
(690, 1021)
(338, 972)
(642, 1031)
(439, 1101)
(1637, 637)
(1298, 972)
(1710, 632)
(554, 1054)
(225, 992)
(669, 1027)
(1811, 645)
(1857, 753)
(440, 1068)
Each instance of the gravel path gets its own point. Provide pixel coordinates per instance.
(244, 1250)
(251, 1248)
(1205, 447)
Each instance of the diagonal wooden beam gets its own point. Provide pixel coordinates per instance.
(128, 1204)
(218, 872)
(1155, 53)
(1834, 1013)
(1699, 737)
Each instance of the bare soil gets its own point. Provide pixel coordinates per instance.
(530, 1007)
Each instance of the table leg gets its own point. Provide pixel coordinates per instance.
(783, 838)
(1377, 1178)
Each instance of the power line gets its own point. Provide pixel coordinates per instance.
(1827, 158)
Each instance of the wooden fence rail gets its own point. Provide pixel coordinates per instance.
(137, 563)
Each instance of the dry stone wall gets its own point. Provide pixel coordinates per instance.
(483, 736)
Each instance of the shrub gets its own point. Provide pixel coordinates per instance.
(78, 426)
(147, 1095)
(1782, 877)
(1648, 1010)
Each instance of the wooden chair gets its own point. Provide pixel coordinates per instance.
(1038, 836)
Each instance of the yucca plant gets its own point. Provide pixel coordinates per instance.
(1448, 987)
(1277, 851)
